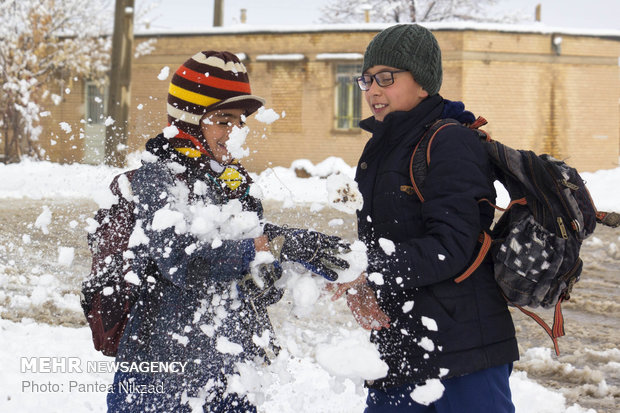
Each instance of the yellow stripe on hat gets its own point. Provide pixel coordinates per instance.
(192, 97)
(189, 152)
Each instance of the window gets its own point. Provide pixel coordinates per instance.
(348, 96)
(95, 109)
(94, 129)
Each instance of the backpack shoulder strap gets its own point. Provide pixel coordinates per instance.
(420, 158)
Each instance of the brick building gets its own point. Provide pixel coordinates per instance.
(552, 92)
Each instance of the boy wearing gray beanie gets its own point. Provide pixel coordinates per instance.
(459, 338)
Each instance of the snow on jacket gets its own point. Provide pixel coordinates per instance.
(438, 327)
(192, 244)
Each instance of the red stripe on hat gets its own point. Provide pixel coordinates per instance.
(196, 142)
(213, 81)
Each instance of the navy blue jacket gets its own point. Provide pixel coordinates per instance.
(438, 327)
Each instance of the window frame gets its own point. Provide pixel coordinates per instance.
(347, 115)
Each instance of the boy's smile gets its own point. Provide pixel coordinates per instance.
(216, 127)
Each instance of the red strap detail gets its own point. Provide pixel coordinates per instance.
(480, 121)
(558, 322)
(520, 201)
(600, 216)
(430, 142)
(485, 239)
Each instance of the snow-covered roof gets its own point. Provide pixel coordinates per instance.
(281, 57)
(375, 27)
(339, 56)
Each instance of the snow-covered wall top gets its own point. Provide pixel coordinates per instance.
(375, 27)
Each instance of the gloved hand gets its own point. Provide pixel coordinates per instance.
(314, 250)
(262, 287)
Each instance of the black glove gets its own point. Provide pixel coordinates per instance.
(266, 293)
(314, 250)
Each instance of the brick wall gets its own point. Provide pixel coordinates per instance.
(566, 104)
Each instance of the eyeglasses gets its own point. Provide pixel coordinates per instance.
(383, 79)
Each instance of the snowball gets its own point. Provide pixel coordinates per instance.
(428, 393)
(351, 358)
(267, 116)
(105, 198)
(376, 278)
(65, 256)
(91, 226)
(263, 340)
(65, 127)
(183, 340)
(164, 73)
(132, 278)
(167, 218)
(43, 220)
(427, 344)
(225, 346)
(343, 194)
(358, 262)
(125, 187)
(387, 246)
(429, 323)
(138, 237)
(235, 142)
(304, 290)
(408, 306)
(170, 131)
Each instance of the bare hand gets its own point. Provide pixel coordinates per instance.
(340, 289)
(362, 301)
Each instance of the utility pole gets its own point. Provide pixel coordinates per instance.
(120, 82)
(218, 13)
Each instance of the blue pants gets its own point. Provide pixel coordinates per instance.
(479, 392)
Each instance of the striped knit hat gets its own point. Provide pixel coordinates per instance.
(209, 80)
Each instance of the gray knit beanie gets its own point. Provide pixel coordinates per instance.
(408, 47)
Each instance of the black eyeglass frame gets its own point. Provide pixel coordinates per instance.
(365, 86)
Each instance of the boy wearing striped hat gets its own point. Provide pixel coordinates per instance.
(206, 262)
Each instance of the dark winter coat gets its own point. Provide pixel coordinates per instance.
(435, 241)
(190, 309)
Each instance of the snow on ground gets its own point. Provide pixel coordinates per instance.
(311, 368)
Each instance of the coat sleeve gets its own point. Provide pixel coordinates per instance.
(458, 177)
(178, 256)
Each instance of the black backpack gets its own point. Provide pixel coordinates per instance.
(535, 243)
(107, 297)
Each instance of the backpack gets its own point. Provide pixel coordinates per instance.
(535, 243)
(107, 297)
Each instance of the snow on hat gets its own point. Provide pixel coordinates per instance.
(207, 81)
(409, 47)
